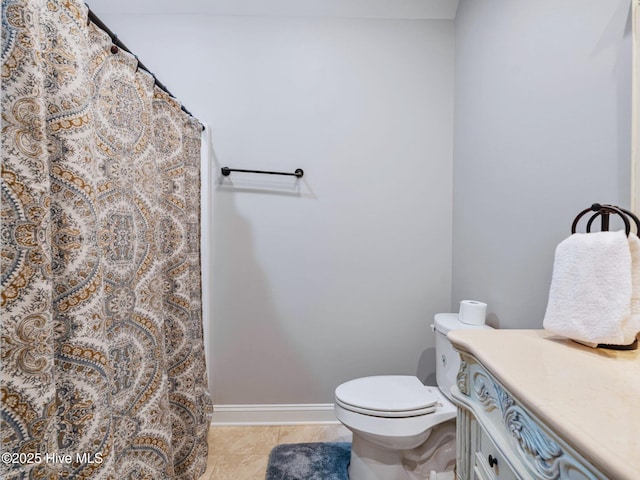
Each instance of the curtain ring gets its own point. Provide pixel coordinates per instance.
(114, 47)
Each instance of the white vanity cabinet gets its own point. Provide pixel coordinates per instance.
(535, 406)
(505, 441)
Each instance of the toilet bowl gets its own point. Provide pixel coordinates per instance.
(403, 429)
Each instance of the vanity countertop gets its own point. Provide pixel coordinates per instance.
(589, 397)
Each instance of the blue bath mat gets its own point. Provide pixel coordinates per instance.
(309, 461)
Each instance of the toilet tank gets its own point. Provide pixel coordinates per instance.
(447, 359)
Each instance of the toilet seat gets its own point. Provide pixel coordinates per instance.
(388, 396)
(387, 413)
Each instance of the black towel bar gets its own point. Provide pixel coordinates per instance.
(226, 171)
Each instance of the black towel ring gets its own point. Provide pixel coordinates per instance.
(633, 217)
(604, 211)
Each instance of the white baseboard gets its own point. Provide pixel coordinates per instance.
(312, 413)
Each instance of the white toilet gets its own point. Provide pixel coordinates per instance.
(401, 428)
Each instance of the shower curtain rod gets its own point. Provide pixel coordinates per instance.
(116, 41)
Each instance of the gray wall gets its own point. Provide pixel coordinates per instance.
(542, 131)
(340, 276)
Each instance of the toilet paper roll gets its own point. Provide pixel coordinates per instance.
(472, 312)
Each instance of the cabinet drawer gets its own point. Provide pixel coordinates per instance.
(489, 462)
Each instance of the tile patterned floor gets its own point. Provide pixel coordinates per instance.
(241, 453)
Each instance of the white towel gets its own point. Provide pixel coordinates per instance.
(631, 326)
(590, 294)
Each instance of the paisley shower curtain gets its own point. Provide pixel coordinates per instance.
(102, 370)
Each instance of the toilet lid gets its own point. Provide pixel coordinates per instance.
(387, 395)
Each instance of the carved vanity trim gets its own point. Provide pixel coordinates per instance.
(530, 449)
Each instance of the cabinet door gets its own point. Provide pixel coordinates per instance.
(489, 463)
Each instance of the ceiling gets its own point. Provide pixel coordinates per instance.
(392, 9)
